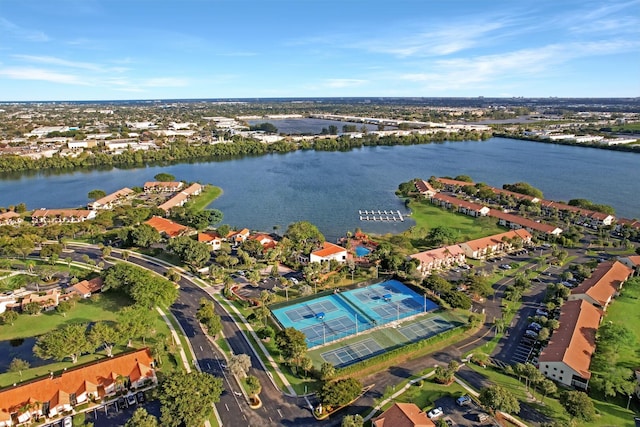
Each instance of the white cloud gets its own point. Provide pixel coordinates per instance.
(21, 73)
(52, 60)
(467, 72)
(22, 33)
(341, 83)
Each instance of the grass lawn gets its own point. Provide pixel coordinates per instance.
(625, 309)
(15, 282)
(208, 195)
(427, 216)
(160, 329)
(424, 396)
(608, 413)
(85, 311)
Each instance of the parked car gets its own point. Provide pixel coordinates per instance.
(505, 266)
(435, 413)
(131, 399)
(531, 334)
(140, 396)
(463, 401)
(543, 313)
(482, 417)
(535, 326)
(67, 422)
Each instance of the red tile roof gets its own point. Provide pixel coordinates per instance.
(328, 249)
(524, 222)
(208, 236)
(95, 376)
(403, 415)
(605, 281)
(423, 186)
(575, 341)
(459, 202)
(427, 257)
(497, 239)
(88, 286)
(163, 225)
(454, 182)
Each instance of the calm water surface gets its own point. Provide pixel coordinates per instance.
(328, 188)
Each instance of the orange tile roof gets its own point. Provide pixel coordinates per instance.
(454, 182)
(523, 222)
(174, 201)
(88, 286)
(163, 225)
(193, 188)
(122, 193)
(459, 202)
(633, 223)
(423, 186)
(403, 415)
(208, 236)
(575, 341)
(605, 281)
(446, 252)
(135, 365)
(328, 249)
(634, 259)
(9, 215)
(498, 239)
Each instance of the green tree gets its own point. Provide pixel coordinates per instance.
(292, 345)
(69, 341)
(96, 194)
(239, 365)
(64, 307)
(9, 317)
(102, 334)
(327, 371)
(188, 398)
(32, 308)
(547, 387)
(253, 385)
(18, 365)
(134, 322)
(334, 394)
(145, 235)
(497, 398)
(352, 421)
(440, 236)
(154, 291)
(141, 418)
(164, 177)
(437, 284)
(578, 405)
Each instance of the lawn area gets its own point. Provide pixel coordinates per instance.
(427, 216)
(608, 414)
(87, 310)
(425, 395)
(208, 195)
(15, 282)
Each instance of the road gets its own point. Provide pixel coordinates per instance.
(279, 409)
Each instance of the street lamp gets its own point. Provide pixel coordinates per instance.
(628, 402)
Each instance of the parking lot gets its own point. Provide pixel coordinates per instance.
(467, 415)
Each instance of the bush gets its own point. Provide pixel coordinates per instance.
(266, 332)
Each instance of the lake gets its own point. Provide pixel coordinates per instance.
(328, 188)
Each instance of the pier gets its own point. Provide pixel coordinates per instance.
(380, 215)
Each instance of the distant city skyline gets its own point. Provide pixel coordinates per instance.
(143, 49)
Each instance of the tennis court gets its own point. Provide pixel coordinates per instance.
(351, 353)
(425, 328)
(341, 314)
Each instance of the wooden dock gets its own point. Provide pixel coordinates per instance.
(381, 215)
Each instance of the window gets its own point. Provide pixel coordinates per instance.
(555, 369)
(561, 371)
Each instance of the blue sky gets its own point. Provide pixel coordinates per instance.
(155, 49)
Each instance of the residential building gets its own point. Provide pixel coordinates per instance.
(567, 357)
(425, 188)
(462, 206)
(211, 238)
(50, 216)
(603, 285)
(86, 288)
(167, 227)
(238, 236)
(453, 184)
(265, 240)
(329, 252)
(402, 415)
(182, 197)
(47, 302)
(111, 200)
(633, 262)
(441, 258)
(160, 187)
(491, 245)
(60, 393)
(518, 222)
(10, 218)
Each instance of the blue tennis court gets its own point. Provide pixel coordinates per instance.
(339, 315)
(352, 353)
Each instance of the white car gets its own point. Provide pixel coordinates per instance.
(67, 422)
(435, 413)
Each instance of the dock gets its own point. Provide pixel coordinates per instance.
(381, 215)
